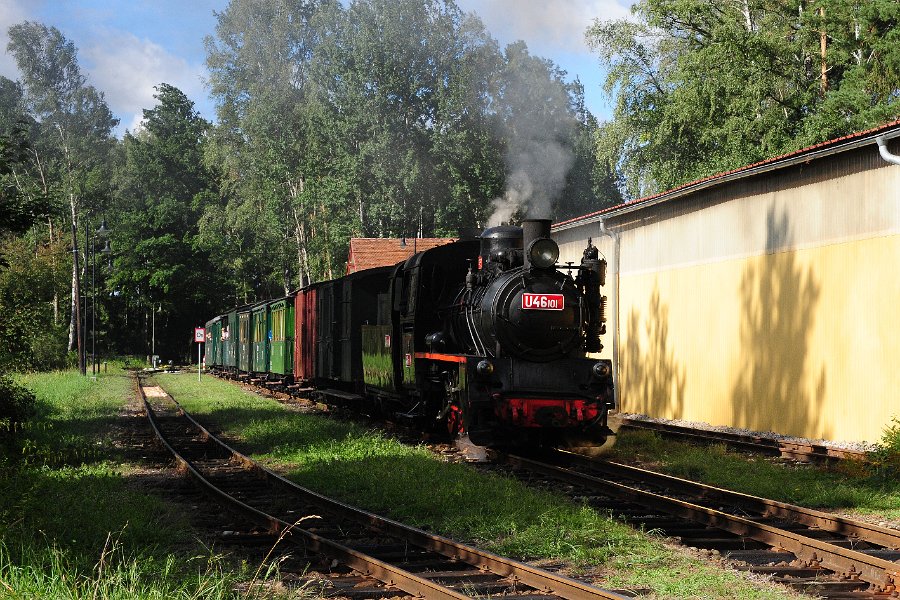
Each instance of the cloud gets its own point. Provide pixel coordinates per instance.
(11, 12)
(547, 26)
(126, 69)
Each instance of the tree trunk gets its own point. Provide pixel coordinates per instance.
(748, 17)
(300, 231)
(823, 47)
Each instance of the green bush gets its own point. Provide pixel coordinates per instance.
(886, 457)
(16, 402)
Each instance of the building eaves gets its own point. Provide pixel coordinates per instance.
(804, 155)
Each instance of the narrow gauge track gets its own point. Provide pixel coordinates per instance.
(806, 452)
(809, 550)
(381, 558)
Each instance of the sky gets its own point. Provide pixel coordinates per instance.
(126, 47)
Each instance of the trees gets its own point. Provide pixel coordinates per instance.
(74, 139)
(379, 118)
(258, 63)
(705, 86)
(162, 187)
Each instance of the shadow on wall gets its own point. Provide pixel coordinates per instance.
(654, 380)
(775, 390)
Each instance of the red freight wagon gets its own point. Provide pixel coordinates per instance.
(305, 327)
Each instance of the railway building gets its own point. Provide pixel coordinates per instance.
(763, 298)
(370, 253)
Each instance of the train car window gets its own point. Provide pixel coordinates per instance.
(278, 325)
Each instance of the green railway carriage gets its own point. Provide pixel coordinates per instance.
(230, 339)
(244, 340)
(281, 350)
(227, 343)
(261, 335)
(213, 350)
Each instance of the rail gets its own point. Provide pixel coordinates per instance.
(467, 571)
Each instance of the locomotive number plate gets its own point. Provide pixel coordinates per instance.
(543, 301)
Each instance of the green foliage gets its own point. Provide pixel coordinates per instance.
(703, 87)
(64, 158)
(886, 456)
(163, 186)
(16, 405)
(32, 274)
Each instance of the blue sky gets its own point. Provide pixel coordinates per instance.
(128, 46)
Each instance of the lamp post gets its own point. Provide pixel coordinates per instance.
(90, 242)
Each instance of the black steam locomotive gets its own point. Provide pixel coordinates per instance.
(485, 336)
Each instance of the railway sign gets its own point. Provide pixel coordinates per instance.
(543, 301)
(199, 337)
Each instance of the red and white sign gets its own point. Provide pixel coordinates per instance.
(199, 334)
(543, 301)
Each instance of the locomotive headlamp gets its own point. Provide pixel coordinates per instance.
(484, 368)
(601, 369)
(543, 253)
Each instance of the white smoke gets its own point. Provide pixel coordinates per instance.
(537, 174)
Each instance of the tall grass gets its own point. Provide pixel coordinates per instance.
(48, 571)
(71, 523)
(855, 488)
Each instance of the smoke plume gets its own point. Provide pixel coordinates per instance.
(538, 126)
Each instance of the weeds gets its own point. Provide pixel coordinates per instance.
(885, 459)
(49, 571)
(865, 487)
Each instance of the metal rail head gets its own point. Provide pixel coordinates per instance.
(879, 572)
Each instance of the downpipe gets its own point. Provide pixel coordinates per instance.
(883, 150)
(615, 295)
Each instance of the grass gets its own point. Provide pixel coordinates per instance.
(72, 527)
(364, 468)
(849, 487)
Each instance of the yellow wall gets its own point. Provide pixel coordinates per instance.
(802, 341)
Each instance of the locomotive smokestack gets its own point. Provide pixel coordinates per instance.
(533, 229)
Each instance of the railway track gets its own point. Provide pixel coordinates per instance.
(373, 557)
(809, 550)
(801, 451)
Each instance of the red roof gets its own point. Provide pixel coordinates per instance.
(788, 158)
(368, 253)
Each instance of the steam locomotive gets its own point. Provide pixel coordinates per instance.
(485, 337)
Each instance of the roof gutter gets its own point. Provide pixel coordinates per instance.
(743, 174)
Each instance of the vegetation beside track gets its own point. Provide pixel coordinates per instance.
(367, 469)
(70, 524)
(849, 486)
